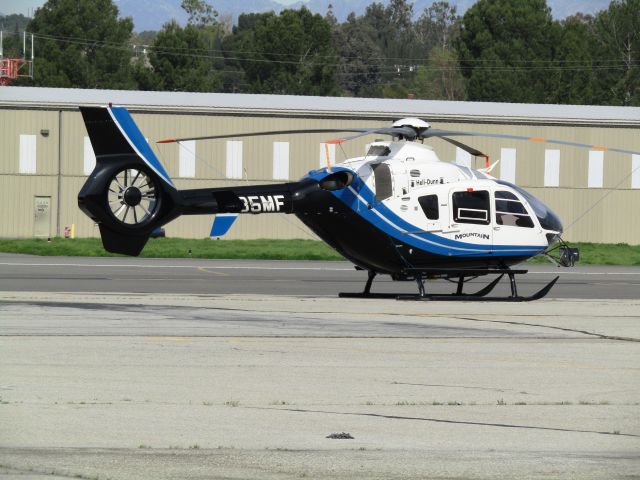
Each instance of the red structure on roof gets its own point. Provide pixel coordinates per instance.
(12, 68)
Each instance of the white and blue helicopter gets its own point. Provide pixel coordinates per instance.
(399, 210)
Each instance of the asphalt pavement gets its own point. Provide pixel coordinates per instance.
(212, 277)
(165, 369)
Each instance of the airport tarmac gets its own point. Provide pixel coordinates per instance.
(141, 368)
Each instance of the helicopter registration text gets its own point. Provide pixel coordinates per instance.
(262, 204)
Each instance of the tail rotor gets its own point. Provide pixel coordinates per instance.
(133, 198)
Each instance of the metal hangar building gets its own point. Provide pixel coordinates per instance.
(46, 154)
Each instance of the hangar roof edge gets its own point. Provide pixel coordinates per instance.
(48, 98)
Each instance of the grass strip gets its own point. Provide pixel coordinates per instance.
(180, 248)
(602, 254)
(590, 253)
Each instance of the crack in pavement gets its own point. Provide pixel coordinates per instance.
(501, 390)
(564, 329)
(453, 422)
(45, 472)
(142, 306)
(145, 308)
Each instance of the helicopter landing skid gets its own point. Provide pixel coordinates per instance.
(480, 295)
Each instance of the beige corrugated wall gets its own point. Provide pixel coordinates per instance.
(60, 160)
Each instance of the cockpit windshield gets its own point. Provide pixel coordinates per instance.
(548, 220)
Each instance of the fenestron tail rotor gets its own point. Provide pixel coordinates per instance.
(133, 197)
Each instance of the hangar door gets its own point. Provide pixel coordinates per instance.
(42, 217)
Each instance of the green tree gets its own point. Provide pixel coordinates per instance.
(290, 53)
(330, 17)
(506, 50)
(438, 26)
(617, 47)
(201, 14)
(234, 78)
(185, 58)
(391, 29)
(392, 32)
(440, 78)
(359, 71)
(12, 27)
(574, 61)
(82, 44)
(181, 59)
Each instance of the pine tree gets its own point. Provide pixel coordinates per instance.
(506, 49)
(82, 45)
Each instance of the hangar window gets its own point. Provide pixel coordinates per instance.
(280, 160)
(234, 159)
(27, 163)
(471, 207)
(429, 204)
(187, 158)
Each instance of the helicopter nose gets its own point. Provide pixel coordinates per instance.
(551, 221)
(553, 238)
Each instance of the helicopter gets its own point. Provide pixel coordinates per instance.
(399, 210)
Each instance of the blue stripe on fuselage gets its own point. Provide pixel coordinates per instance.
(358, 196)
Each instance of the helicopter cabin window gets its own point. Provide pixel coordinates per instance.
(505, 195)
(378, 151)
(510, 211)
(429, 204)
(471, 207)
(384, 186)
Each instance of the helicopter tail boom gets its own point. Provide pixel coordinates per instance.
(129, 193)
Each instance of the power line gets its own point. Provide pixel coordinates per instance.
(489, 65)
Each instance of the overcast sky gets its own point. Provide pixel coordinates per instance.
(19, 6)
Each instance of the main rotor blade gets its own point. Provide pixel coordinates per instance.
(405, 132)
(453, 133)
(259, 134)
(466, 148)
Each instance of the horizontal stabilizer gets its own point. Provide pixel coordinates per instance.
(222, 223)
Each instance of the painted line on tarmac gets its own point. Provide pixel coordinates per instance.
(221, 267)
(249, 267)
(582, 273)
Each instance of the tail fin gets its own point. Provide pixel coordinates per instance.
(129, 193)
(112, 131)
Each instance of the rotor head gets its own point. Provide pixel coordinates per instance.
(412, 122)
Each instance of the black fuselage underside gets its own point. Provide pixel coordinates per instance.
(371, 248)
